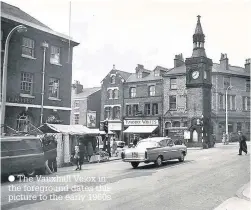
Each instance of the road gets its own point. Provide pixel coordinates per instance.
(202, 182)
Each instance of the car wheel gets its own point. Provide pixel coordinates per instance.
(30, 173)
(134, 164)
(158, 162)
(182, 157)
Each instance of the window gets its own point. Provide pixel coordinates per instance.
(168, 125)
(226, 82)
(26, 83)
(238, 126)
(115, 94)
(155, 109)
(172, 102)
(128, 110)
(185, 124)
(23, 122)
(140, 74)
(221, 101)
(108, 113)
(116, 112)
(151, 90)
(132, 92)
(176, 124)
(156, 73)
(113, 79)
(76, 104)
(54, 88)
(55, 55)
(76, 118)
(135, 109)
(173, 83)
(147, 109)
(28, 47)
(110, 94)
(246, 103)
(248, 85)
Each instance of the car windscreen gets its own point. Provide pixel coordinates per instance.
(147, 144)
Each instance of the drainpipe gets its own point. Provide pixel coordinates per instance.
(45, 46)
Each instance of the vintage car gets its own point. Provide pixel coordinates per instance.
(22, 154)
(156, 149)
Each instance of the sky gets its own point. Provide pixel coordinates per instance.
(147, 32)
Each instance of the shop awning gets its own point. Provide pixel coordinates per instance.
(140, 129)
(67, 129)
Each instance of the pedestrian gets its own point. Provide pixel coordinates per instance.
(81, 154)
(77, 157)
(242, 143)
(89, 150)
(114, 147)
(224, 137)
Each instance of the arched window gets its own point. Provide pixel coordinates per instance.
(110, 94)
(116, 112)
(176, 124)
(167, 125)
(132, 92)
(23, 122)
(112, 79)
(116, 94)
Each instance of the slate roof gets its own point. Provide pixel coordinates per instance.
(124, 74)
(16, 12)
(234, 70)
(87, 92)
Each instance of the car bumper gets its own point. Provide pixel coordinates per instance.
(136, 160)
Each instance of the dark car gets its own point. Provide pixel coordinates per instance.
(22, 154)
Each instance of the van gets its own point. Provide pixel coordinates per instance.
(22, 154)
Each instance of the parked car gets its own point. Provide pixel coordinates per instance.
(120, 144)
(22, 154)
(156, 149)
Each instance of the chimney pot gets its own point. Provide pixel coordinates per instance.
(247, 64)
(224, 61)
(178, 60)
(113, 67)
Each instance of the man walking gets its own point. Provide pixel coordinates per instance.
(242, 143)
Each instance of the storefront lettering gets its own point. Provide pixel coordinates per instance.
(18, 99)
(141, 122)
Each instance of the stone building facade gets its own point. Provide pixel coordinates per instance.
(27, 53)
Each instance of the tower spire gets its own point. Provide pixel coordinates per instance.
(198, 40)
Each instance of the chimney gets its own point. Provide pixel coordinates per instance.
(113, 68)
(247, 64)
(140, 66)
(224, 61)
(178, 60)
(78, 87)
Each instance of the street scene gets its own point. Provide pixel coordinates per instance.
(204, 180)
(125, 105)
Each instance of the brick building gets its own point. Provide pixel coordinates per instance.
(112, 97)
(143, 103)
(40, 53)
(86, 106)
(223, 76)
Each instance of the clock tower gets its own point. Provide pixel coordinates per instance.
(198, 84)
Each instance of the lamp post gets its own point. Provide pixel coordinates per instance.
(19, 29)
(229, 87)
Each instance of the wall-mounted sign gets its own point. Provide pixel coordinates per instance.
(186, 134)
(141, 122)
(91, 119)
(114, 126)
(21, 100)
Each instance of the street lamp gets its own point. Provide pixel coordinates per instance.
(229, 87)
(19, 29)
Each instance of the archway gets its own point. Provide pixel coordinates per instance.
(195, 136)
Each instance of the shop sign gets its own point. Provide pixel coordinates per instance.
(21, 100)
(114, 126)
(141, 122)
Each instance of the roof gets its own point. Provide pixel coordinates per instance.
(67, 129)
(150, 77)
(124, 74)
(234, 70)
(198, 29)
(15, 14)
(87, 92)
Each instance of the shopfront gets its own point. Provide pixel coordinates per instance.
(116, 128)
(140, 129)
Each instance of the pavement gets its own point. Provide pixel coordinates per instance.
(204, 181)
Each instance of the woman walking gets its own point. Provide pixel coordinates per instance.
(77, 157)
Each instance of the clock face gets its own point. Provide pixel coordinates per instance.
(195, 74)
(205, 74)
